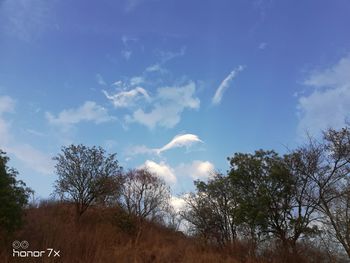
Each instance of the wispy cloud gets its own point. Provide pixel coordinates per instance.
(137, 80)
(100, 80)
(125, 99)
(27, 154)
(36, 133)
(262, 45)
(156, 68)
(328, 104)
(126, 54)
(225, 84)
(26, 20)
(7, 105)
(32, 157)
(166, 56)
(127, 51)
(89, 111)
(132, 4)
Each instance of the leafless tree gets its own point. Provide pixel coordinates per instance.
(144, 194)
(327, 164)
(211, 210)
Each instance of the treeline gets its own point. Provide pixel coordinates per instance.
(279, 202)
(268, 202)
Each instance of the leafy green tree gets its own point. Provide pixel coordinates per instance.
(273, 200)
(13, 197)
(87, 175)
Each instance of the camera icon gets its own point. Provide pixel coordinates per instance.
(20, 244)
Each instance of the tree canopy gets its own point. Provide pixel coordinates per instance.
(87, 175)
(13, 196)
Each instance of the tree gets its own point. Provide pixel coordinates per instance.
(211, 210)
(327, 165)
(13, 197)
(144, 194)
(87, 175)
(272, 199)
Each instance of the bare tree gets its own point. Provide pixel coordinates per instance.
(327, 164)
(86, 175)
(144, 194)
(211, 210)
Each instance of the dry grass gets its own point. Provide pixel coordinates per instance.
(108, 235)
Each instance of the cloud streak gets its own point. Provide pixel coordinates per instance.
(185, 140)
(179, 141)
(225, 84)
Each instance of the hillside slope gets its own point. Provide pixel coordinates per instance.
(109, 235)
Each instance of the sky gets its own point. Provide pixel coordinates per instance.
(173, 86)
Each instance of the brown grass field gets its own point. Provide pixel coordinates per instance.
(107, 235)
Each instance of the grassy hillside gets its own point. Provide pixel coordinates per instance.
(109, 235)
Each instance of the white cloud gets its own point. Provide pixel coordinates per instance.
(162, 170)
(155, 68)
(181, 140)
(178, 203)
(89, 111)
(126, 99)
(7, 104)
(166, 56)
(169, 104)
(32, 157)
(328, 104)
(184, 140)
(225, 85)
(196, 170)
(333, 77)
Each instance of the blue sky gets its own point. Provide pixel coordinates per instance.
(175, 86)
